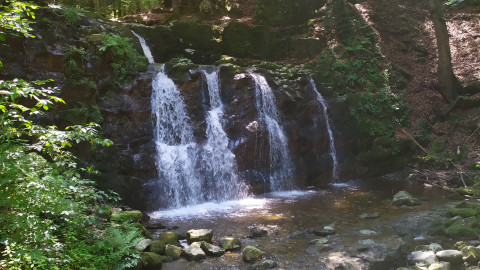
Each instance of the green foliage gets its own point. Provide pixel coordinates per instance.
(124, 58)
(75, 58)
(45, 201)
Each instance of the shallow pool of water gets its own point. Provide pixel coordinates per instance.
(290, 218)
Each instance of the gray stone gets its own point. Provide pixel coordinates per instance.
(173, 252)
(194, 253)
(367, 232)
(436, 247)
(319, 241)
(230, 243)
(362, 245)
(143, 244)
(199, 235)
(369, 215)
(212, 250)
(422, 258)
(263, 264)
(258, 232)
(450, 255)
(326, 230)
(403, 198)
(251, 254)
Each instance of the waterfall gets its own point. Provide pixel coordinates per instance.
(333, 152)
(177, 151)
(190, 173)
(281, 166)
(146, 49)
(220, 168)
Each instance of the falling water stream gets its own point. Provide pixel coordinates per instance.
(281, 165)
(333, 152)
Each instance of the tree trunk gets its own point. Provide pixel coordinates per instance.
(449, 84)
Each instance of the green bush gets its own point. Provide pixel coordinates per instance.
(75, 58)
(124, 58)
(47, 219)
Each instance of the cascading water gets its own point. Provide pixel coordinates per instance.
(281, 166)
(189, 173)
(145, 48)
(333, 152)
(220, 170)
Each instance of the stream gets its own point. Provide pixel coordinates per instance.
(291, 217)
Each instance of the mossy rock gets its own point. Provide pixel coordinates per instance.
(402, 198)
(196, 35)
(452, 220)
(242, 40)
(179, 68)
(150, 261)
(104, 212)
(305, 47)
(127, 216)
(164, 239)
(468, 191)
(199, 235)
(230, 243)
(143, 230)
(462, 212)
(173, 251)
(464, 229)
(251, 254)
(466, 205)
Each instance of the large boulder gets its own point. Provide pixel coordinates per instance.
(164, 239)
(450, 255)
(422, 258)
(212, 250)
(471, 254)
(150, 261)
(199, 235)
(251, 254)
(467, 228)
(173, 252)
(127, 216)
(403, 198)
(143, 244)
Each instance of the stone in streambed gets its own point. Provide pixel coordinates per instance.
(173, 252)
(251, 254)
(195, 253)
(450, 255)
(258, 232)
(422, 258)
(230, 243)
(127, 216)
(440, 266)
(403, 198)
(471, 254)
(151, 261)
(369, 215)
(199, 235)
(462, 212)
(211, 250)
(158, 246)
(263, 264)
(326, 230)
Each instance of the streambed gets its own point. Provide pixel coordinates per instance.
(292, 217)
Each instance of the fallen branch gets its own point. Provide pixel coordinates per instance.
(415, 141)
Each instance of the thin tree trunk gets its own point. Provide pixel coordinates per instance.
(449, 84)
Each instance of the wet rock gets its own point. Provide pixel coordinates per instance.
(362, 245)
(155, 226)
(367, 232)
(258, 232)
(450, 255)
(143, 244)
(230, 243)
(452, 220)
(319, 241)
(369, 215)
(195, 253)
(127, 216)
(199, 235)
(158, 246)
(324, 231)
(253, 126)
(436, 247)
(403, 198)
(212, 250)
(439, 266)
(471, 254)
(150, 261)
(462, 212)
(422, 258)
(263, 264)
(463, 229)
(173, 252)
(251, 254)
(432, 247)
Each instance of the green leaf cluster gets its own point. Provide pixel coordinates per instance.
(48, 207)
(124, 58)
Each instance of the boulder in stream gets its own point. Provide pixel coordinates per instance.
(263, 264)
(195, 253)
(143, 244)
(230, 243)
(173, 252)
(324, 231)
(158, 246)
(450, 255)
(251, 254)
(403, 198)
(471, 254)
(199, 235)
(422, 258)
(212, 250)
